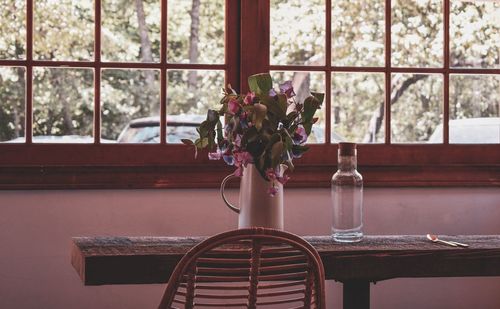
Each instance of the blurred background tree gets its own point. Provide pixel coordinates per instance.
(64, 30)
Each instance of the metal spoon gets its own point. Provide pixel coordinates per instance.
(434, 238)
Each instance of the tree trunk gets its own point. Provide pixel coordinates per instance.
(63, 97)
(378, 115)
(193, 52)
(146, 56)
(18, 125)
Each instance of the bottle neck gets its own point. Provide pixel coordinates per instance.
(347, 163)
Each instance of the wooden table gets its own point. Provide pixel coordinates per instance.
(142, 260)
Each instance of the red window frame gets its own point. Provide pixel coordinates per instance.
(43, 166)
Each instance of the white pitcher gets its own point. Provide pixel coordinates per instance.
(256, 206)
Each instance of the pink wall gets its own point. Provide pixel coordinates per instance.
(36, 229)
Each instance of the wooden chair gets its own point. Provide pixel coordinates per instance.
(248, 268)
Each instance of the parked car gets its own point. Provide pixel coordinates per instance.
(470, 131)
(60, 139)
(147, 129)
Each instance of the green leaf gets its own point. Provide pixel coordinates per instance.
(201, 142)
(260, 84)
(220, 136)
(318, 96)
(273, 106)
(282, 103)
(308, 127)
(259, 114)
(186, 141)
(311, 104)
(276, 152)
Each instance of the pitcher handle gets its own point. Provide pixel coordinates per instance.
(222, 187)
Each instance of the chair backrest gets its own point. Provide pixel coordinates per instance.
(248, 268)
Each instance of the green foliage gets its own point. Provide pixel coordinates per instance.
(64, 30)
(258, 129)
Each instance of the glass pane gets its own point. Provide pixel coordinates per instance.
(12, 104)
(189, 96)
(358, 29)
(474, 109)
(417, 33)
(63, 30)
(416, 108)
(303, 84)
(63, 105)
(475, 34)
(130, 105)
(131, 32)
(12, 29)
(298, 32)
(196, 31)
(358, 107)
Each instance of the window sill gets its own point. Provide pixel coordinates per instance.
(173, 166)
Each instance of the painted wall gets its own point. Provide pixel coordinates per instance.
(36, 229)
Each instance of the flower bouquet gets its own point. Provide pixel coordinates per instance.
(264, 127)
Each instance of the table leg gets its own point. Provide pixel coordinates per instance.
(356, 295)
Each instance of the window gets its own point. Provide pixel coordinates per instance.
(97, 93)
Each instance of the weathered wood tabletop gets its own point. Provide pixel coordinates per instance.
(138, 260)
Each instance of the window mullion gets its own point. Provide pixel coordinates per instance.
(255, 39)
(388, 77)
(163, 71)
(97, 71)
(232, 43)
(29, 72)
(446, 77)
(328, 73)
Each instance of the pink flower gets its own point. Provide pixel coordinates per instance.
(270, 174)
(272, 190)
(233, 106)
(215, 155)
(237, 140)
(300, 135)
(283, 179)
(287, 89)
(238, 172)
(249, 98)
(242, 158)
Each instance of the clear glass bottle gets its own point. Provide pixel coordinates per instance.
(347, 197)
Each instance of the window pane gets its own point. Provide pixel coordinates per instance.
(358, 29)
(475, 34)
(12, 29)
(189, 96)
(303, 84)
(298, 32)
(417, 33)
(474, 109)
(358, 107)
(416, 107)
(131, 32)
(63, 101)
(63, 30)
(196, 31)
(128, 97)
(12, 103)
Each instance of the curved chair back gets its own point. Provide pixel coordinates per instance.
(248, 268)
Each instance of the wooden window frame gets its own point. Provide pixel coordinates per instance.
(105, 166)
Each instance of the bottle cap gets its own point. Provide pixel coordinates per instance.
(347, 149)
